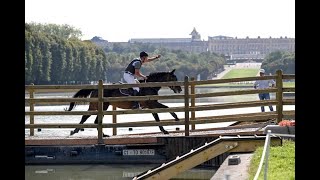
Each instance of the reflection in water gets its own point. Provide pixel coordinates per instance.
(103, 172)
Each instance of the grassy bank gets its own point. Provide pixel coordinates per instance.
(285, 84)
(238, 73)
(245, 72)
(281, 165)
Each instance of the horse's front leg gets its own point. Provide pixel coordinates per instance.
(83, 119)
(105, 107)
(96, 122)
(156, 117)
(173, 114)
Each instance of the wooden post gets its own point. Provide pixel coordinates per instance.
(100, 111)
(279, 95)
(186, 104)
(31, 104)
(193, 103)
(114, 120)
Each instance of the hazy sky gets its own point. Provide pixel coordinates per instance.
(121, 20)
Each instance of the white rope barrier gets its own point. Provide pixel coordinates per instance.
(266, 153)
(263, 154)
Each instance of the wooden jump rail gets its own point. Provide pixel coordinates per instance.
(278, 114)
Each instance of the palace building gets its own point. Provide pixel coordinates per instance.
(249, 48)
(193, 44)
(235, 48)
(232, 47)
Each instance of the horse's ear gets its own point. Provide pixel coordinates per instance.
(172, 71)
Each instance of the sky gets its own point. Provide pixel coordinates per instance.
(122, 20)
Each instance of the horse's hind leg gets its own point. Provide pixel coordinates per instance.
(156, 117)
(83, 119)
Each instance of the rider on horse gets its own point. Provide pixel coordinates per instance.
(133, 70)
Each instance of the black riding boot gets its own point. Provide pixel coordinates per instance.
(136, 104)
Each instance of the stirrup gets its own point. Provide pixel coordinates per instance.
(136, 106)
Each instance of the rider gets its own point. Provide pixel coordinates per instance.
(133, 70)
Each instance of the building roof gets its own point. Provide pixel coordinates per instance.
(220, 37)
(161, 40)
(194, 32)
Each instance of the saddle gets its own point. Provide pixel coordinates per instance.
(125, 91)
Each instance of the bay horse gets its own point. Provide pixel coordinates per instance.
(151, 104)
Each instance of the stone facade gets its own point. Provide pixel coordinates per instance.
(249, 48)
(193, 44)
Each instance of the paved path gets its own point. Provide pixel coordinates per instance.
(234, 172)
(226, 70)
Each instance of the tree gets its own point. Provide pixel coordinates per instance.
(36, 72)
(28, 57)
(46, 60)
(58, 61)
(64, 31)
(279, 60)
(69, 70)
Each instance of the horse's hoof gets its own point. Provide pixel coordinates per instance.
(82, 129)
(177, 119)
(165, 132)
(105, 135)
(71, 133)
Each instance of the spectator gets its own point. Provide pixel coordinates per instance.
(264, 84)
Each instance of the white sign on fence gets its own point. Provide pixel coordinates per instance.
(138, 152)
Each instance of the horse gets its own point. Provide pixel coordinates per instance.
(151, 104)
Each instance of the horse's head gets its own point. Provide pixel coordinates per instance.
(165, 77)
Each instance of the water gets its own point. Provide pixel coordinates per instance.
(119, 171)
(104, 172)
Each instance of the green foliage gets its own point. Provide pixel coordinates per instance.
(281, 164)
(279, 60)
(55, 59)
(64, 31)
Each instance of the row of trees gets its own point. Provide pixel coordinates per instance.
(58, 56)
(54, 54)
(280, 60)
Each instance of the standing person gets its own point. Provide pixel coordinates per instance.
(264, 84)
(133, 70)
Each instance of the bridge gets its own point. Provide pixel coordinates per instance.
(153, 147)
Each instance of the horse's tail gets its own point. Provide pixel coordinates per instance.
(80, 94)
